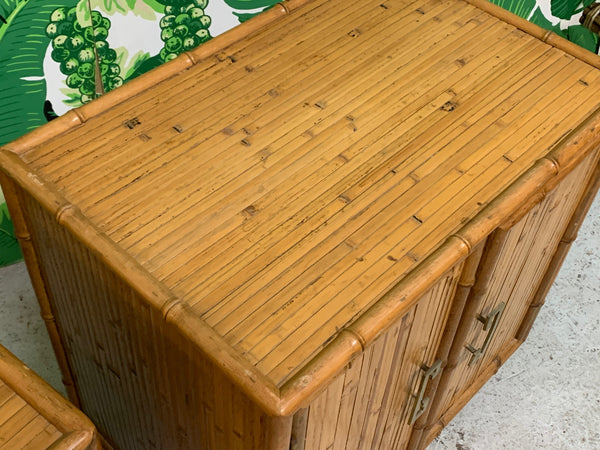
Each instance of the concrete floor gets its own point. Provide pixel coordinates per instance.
(547, 396)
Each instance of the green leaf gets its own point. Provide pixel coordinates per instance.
(146, 9)
(22, 51)
(564, 9)
(522, 8)
(9, 10)
(84, 15)
(73, 97)
(152, 4)
(6, 225)
(250, 4)
(135, 62)
(243, 17)
(539, 19)
(10, 251)
(144, 67)
(8, 6)
(583, 37)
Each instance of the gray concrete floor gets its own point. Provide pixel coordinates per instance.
(547, 396)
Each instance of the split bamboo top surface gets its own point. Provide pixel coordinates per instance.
(34, 416)
(280, 186)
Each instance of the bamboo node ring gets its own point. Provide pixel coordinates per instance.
(358, 337)
(465, 241)
(190, 56)
(169, 305)
(80, 116)
(23, 236)
(62, 211)
(547, 36)
(554, 162)
(286, 9)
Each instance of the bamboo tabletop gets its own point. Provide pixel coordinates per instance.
(283, 185)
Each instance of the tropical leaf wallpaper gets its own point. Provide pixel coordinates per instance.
(560, 16)
(49, 50)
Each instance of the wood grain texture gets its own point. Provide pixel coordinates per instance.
(468, 393)
(39, 283)
(465, 283)
(561, 252)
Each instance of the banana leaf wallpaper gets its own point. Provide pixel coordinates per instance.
(50, 51)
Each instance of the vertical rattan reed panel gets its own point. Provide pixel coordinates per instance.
(138, 379)
(513, 266)
(370, 404)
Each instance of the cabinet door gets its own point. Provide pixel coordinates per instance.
(513, 264)
(375, 401)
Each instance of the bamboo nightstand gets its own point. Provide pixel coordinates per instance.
(326, 228)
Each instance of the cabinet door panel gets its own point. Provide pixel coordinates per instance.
(514, 263)
(369, 405)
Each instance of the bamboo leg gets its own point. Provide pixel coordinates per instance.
(14, 202)
(466, 282)
(559, 256)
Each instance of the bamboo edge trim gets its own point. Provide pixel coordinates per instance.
(485, 375)
(546, 36)
(186, 60)
(246, 377)
(464, 285)
(41, 396)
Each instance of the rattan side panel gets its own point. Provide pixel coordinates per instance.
(369, 404)
(137, 378)
(524, 254)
